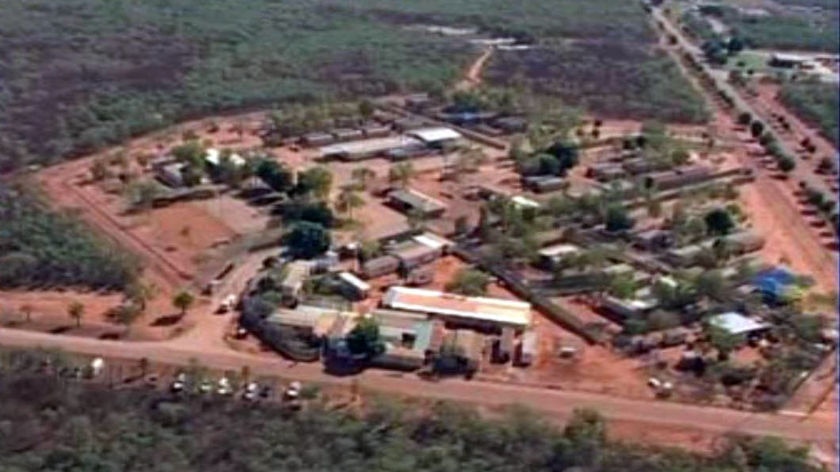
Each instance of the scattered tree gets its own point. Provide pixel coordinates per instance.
(365, 340)
(182, 301)
(76, 311)
(719, 221)
(469, 282)
(307, 240)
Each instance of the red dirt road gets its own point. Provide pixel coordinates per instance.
(554, 403)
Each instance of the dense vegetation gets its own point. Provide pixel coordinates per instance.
(816, 103)
(39, 248)
(788, 31)
(51, 424)
(611, 79)
(80, 74)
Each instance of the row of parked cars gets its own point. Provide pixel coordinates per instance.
(250, 391)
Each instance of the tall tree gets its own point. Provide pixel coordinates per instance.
(402, 173)
(182, 301)
(348, 200)
(76, 311)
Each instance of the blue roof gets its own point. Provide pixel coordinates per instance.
(776, 275)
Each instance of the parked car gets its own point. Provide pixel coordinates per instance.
(250, 391)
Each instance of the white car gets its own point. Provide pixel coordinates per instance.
(179, 383)
(653, 382)
(205, 387)
(224, 387)
(251, 391)
(293, 391)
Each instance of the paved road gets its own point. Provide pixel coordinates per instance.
(558, 404)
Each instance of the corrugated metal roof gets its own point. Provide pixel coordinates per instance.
(736, 323)
(494, 310)
(431, 135)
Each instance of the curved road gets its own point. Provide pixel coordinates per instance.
(556, 403)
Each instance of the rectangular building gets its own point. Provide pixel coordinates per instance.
(470, 311)
(353, 287)
(408, 200)
(380, 266)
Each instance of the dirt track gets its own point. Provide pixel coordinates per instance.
(472, 78)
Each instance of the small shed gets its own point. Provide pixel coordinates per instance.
(511, 124)
(436, 136)
(408, 200)
(527, 349)
(413, 254)
(317, 139)
(353, 287)
(380, 266)
(737, 324)
(376, 131)
(347, 134)
(653, 239)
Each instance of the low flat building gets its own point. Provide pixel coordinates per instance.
(413, 254)
(380, 266)
(471, 311)
(653, 239)
(353, 287)
(436, 136)
(376, 131)
(409, 200)
(671, 179)
(553, 255)
(317, 321)
(367, 148)
(317, 139)
(737, 324)
(296, 274)
(347, 134)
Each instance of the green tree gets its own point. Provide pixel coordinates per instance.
(307, 240)
(317, 180)
(276, 176)
(617, 218)
(365, 340)
(362, 175)
(126, 314)
(141, 195)
(786, 164)
(587, 433)
(182, 301)
(348, 200)
(366, 109)
(723, 341)
(402, 173)
(468, 282)
(76, 311)
(140, 294)
(99, 170)
(719, 221)
(756, 128)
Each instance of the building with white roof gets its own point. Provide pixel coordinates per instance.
(214, 157)
(524, 202)
(368, 148)
(736, 323)
(552, 255)
(436, 136)
(475, 311)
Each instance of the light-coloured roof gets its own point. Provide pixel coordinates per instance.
(736, 323)
(495, 310)
(417, 199)
(214, 157)
(432, 135)
(354, 281)
(521, 201)
(559, 250)
(369, 145)
(432, 240)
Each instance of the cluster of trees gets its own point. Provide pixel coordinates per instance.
(40, 248)
(784, 161)
(70, 426)
(826, 205)
(718, 51)
(815, 103)
(641, 84)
